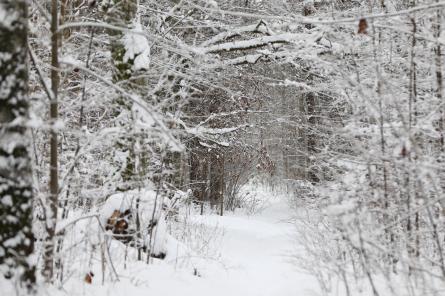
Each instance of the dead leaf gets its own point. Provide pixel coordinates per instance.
(89, 278)
(362, 26)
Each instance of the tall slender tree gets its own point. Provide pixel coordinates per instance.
(51, 213)
(16, 236)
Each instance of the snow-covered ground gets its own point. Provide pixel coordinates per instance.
(254, 260)
(256, 250)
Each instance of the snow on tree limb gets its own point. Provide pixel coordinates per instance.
(254, 43)
(313, 21)
(260, 27)
(157, 118)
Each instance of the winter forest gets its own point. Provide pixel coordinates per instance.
(222, 147)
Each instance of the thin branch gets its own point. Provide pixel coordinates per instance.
(46, 87)
(313, 21)
(135, 99)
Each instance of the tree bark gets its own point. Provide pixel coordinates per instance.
(16, 236)
(52, 207)
(121, 13)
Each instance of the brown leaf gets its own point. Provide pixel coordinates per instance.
(404, 152)
(89, 277)
(362, 26)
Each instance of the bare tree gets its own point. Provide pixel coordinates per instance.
(51, 213)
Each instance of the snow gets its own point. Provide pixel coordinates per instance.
(340, 209)
(370, 131)
(256, 251)
(147, 199)
(255, 260)
(256, 42)
(7, 17)
(7, 200)
(137, 48)
(11, 141)
(259, 256)
(260, 27)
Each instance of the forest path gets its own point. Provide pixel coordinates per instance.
(256, 251)
(255, 260)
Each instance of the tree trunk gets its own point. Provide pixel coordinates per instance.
(16, 237)
(311, 102)
(439, 79)
(121, 13)
(51, 212)
(216, 178)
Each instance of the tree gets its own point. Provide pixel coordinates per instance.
(16, 236)
(52, 201)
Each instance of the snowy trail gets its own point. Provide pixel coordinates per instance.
(255, 261)
(256, 250)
